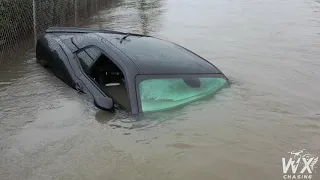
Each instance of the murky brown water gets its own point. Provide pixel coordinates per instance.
(270, 51)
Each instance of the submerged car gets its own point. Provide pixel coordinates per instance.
(134, 72)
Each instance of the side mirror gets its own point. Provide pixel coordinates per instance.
(103, 102)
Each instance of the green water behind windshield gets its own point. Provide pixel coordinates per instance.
(162, 94)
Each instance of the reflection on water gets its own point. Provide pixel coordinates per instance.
(149, 12)
(142, 16)
(269, 50)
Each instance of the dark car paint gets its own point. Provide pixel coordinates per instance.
(156, 56)
(50, 53)
(62, 61)
(62, 44)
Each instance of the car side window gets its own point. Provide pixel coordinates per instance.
(88, 57)
(106, 74)
(94, 53)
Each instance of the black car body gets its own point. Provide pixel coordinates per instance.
(134, 72)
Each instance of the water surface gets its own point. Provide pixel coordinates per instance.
(269, 50)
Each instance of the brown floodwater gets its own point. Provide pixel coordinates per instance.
(268, 48)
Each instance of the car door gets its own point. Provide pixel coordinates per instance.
(118, 58)
(88, 58)
(87, 85)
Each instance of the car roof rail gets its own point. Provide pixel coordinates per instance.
(85, 30)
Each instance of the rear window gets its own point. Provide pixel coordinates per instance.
(161, 93)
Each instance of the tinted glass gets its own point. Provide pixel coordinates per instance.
(88, 56)
(166, 93)
(154, 56)
(85, 60)
(94, 53)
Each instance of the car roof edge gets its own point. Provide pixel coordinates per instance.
(85, 30)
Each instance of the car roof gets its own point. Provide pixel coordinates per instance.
(150, 55)
(156, 56)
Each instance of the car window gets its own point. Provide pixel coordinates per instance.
(106, 74)
(94, 53)
(85, 60)
(164, 93)
(88, 57)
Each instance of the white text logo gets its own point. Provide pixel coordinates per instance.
(301, 165)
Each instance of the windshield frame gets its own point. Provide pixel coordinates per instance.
(141, 77)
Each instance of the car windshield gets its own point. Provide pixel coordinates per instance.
(158, 93)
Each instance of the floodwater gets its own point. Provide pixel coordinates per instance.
(268, 48)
